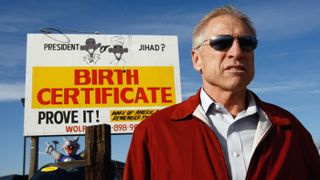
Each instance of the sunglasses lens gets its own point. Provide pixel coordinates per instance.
(221, 42)
(247, 43)
(224, 42)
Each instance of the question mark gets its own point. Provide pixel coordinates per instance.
(163, 46)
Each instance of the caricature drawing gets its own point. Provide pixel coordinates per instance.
(91, 47)
(118, 50)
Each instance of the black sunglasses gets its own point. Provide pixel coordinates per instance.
(224, 42)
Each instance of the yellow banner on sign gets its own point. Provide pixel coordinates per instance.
(74, 87)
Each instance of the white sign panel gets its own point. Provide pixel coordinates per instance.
(74, 81)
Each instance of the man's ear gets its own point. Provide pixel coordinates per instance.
(196, 60)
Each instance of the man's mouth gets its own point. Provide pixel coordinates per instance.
(235, 68)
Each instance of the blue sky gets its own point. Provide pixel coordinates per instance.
(287, 58)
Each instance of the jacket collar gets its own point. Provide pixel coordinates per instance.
(186, 108)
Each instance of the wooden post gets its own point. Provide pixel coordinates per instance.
(33, 156)
(98, 152)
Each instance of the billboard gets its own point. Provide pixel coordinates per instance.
(74, 81)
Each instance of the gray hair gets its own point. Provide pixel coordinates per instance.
(199, 31)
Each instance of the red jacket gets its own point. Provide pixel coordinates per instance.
(173, 144)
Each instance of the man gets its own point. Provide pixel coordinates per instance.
(224, 131)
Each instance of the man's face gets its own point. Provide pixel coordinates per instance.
(228, 70)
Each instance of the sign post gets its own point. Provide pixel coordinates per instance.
(33, 156)
(98, 154)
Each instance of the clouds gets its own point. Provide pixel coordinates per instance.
(189, 87)
(12, 54)
(279, 86)
(276, 20)
(16, 23)
(11, 92)
(177, 22)
(12, 63)
(315, 91)
(287, 76)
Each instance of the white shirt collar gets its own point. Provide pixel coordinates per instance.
(206, 102)
(263, 126)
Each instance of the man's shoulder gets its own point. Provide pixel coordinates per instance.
(177, 111)
(281, 116)
(285, 120)
(168, 113)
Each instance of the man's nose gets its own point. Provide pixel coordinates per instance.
(235, 50)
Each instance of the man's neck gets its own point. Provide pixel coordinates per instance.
(233, 101)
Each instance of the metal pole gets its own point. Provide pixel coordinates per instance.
(24, 156)
(24, 145)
